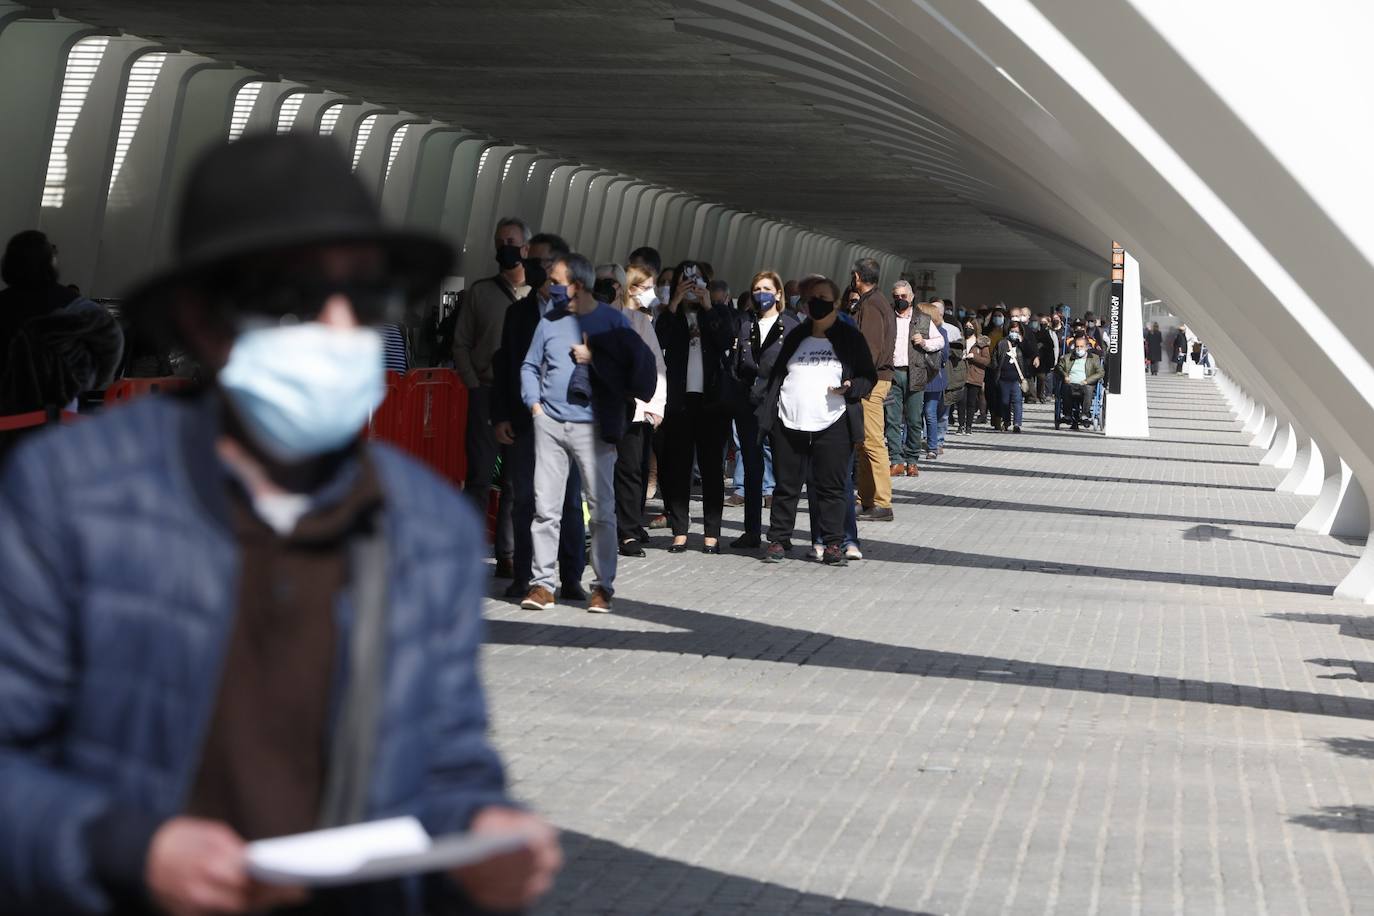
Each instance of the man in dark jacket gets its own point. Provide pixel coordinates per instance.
(1154, 347)
(182, 580)
(513, 427)
(878, 324)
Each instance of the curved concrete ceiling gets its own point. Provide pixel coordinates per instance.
(795, 110)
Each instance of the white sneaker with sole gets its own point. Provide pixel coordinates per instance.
(852, 552)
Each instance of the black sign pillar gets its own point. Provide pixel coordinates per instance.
(1114, 319)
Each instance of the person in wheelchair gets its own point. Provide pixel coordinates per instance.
(1081, 370)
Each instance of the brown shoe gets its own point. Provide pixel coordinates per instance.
(538, 599)
(600, 602)
(913, 471)
(897, 470)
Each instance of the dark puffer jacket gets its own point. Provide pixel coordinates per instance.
(117, 589)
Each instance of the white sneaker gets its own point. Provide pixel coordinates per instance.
(817, 552)
(852, 552)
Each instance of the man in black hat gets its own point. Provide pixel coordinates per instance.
(224, 617)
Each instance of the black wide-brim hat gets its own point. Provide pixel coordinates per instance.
(268, 193)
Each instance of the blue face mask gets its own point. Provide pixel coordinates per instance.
(793, 300)
(765, 300)
(558, 295)
(306, 389)
(1035, 325)
(997, 321)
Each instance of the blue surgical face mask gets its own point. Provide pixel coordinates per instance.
(996, 321)
(1035, 325)
(558, 295)
(305, 389)
(765, 300)
(792, 301)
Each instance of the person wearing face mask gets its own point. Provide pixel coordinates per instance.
(571, 424)
(977, 356)
(813, 407)
(1081, 370)
(664, 290)
(1042, 344)
(903, 416)
(695, 336)
(934, 341)
(996, 331)
(878, 324)
(632, 452)
(475, 339)
(1012, 369)
(514, 430)
(271, 541)
(762, 329)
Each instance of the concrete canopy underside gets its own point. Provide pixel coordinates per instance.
(633, 86)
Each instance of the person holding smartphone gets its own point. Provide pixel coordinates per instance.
(814, 409)
(695, 336)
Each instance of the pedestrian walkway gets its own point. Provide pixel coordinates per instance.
(1076, 675)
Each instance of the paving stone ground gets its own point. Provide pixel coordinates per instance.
(1076, 675)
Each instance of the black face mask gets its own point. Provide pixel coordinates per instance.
(819, 308)
(508, 256)
(535, 274)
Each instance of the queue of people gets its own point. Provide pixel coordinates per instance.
(807, 384)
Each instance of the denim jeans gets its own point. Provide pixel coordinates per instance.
(768, 482)
(903, 420)
(936, 421)
(1012, 400)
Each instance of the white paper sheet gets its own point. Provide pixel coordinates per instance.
(369, 852)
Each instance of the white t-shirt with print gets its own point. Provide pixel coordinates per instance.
(806, 402)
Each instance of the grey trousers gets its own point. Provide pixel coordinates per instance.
(555, 444)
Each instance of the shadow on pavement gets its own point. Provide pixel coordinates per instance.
(927, 498)
(1340, 818)
(1350, 624)
(1090, 478)
(1070, 452)
(604, 877)
(719, 635)
(1352, 747)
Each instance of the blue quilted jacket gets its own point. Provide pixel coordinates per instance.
(117, 590)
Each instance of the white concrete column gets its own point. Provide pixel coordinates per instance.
(1283, 450)
(1308, 472)
(1257, 418)
(1264, 434)
(1341, 509)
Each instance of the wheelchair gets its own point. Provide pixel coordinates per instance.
(1094, 419)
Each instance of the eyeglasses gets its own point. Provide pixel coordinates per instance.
(294, 298)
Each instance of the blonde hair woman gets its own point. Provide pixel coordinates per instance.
(639, 292)
(633, 450)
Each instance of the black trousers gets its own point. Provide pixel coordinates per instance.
(972, 393)
(751, 453)
(822, 457)
(481, 447)
(694, 431)
(1079, 401)
(994, 398)
(631, 463)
